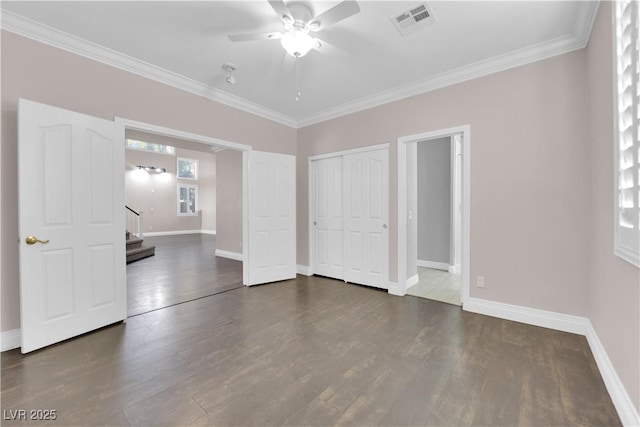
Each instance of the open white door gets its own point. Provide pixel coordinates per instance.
(366, 218)
(71, 181)
(271, 214)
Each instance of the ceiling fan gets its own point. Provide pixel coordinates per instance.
(298, 22)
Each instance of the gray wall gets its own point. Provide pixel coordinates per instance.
(434, 200)
(229, 201)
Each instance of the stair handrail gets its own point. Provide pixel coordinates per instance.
(134, 221)
(132, 211)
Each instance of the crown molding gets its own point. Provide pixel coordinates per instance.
(53, 37)
(469, 72)
(568, 43)
(25, 27)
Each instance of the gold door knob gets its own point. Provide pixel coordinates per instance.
(32, 240)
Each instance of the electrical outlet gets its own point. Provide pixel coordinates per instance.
(480, 282)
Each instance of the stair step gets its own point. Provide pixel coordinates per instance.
(134, 242)
(139, 253)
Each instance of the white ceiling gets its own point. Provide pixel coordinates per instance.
(363, 62)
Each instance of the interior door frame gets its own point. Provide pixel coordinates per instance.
(465, 130)
(312, 191)
(207, 140)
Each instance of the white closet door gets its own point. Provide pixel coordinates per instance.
(326, 215)
(366, 212)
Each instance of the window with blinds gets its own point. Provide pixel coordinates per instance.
(627, 153)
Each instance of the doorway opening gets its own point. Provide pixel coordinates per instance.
(187, 264)
(433, 215)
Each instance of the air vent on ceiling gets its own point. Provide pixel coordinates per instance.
(413, 19)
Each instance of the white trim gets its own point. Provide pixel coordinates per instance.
(412, 281)
(483, 68)
(180, 186)
(53, 37)
(530, 316)
(201, 139)
(465, 204)
(433, 264)
(454, 269)
(567, 323)
(177, 233)
(350, 151)
(304, 270)
(630, 254)
(245, 217)
(228, 254)
(621, 400)
(396, 290)
(36, 31)
(178, 134)
(10, 339)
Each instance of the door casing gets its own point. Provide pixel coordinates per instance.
(401, 287)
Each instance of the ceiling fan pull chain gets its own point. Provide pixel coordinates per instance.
(298, 92)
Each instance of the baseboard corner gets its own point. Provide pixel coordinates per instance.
(623, 403)
(304, 270)
(394, 289)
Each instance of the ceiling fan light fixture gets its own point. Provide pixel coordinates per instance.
(297, 43)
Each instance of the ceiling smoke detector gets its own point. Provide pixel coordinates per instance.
(417, 17)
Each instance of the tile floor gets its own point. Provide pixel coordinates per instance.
(438, 285)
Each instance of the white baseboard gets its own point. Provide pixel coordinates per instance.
(413, 280)
(177, 233)
(619, 396)
(455, 269)
(228, 254)
(304, 270)
(530, 316)
(433, 264)
(10, 339)
(567, 323)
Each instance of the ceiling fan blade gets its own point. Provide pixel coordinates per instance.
(279, 7)
(258, 36)
(335, 14)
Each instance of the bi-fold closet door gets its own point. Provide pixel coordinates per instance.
(349, 211)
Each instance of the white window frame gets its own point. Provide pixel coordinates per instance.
(169, 149)
(626, 119)
(187, 187)
(195, 164)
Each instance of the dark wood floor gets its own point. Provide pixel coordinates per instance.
(184, 268)
(312, 351)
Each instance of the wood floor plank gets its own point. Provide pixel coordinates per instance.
(184, 268)
(311, 351)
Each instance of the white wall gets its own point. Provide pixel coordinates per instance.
(156, 194)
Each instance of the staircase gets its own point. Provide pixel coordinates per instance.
(136, 251)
